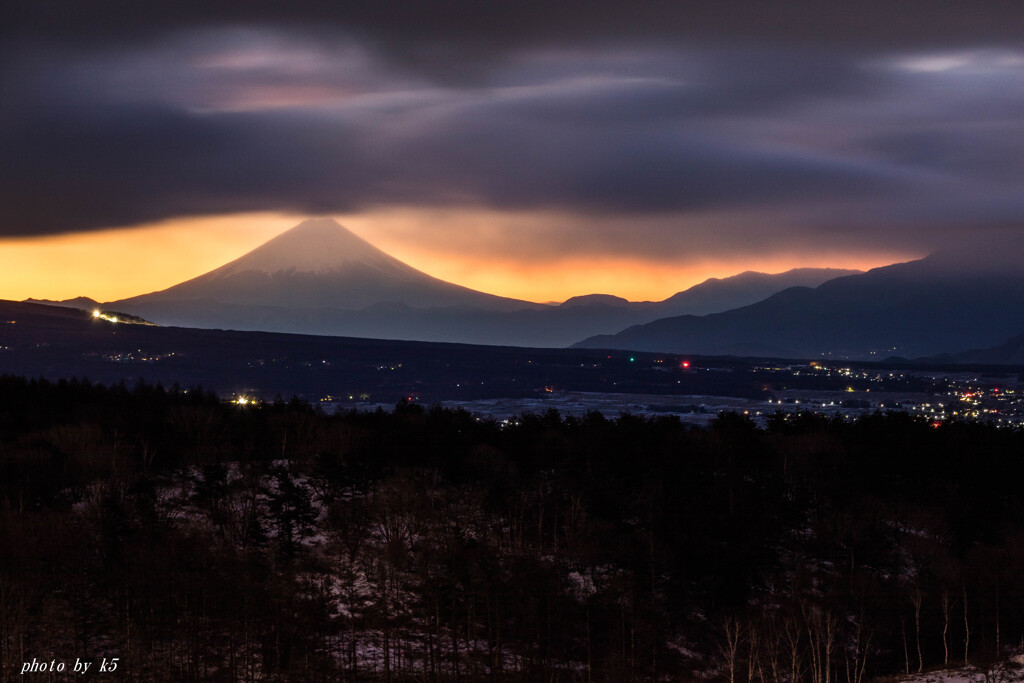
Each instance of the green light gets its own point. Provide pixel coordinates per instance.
(632, 360)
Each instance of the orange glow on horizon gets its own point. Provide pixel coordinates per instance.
(107, 265)
(114, 264)
(516, 255)
(629, 278)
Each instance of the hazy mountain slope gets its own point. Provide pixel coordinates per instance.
(319, 278)
(935, 305)
(548, 327)
(1010, 352)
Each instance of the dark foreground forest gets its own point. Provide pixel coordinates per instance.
(196, 540)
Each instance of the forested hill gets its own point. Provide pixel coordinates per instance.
(198, 540)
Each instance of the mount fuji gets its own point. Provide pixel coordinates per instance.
(320, 264)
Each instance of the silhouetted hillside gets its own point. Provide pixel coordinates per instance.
(911, 309)
(1010, 352)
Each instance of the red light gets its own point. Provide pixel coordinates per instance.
(686, 364)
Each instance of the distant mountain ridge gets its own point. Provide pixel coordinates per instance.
(722, 294)
(319, 278)
(78, 302)
(1010, 352)
(940, 304)
(596, 300)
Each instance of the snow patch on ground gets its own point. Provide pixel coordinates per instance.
(1010, 671)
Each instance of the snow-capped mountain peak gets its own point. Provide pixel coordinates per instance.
(318, 245)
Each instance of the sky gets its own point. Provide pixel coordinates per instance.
(526, 150)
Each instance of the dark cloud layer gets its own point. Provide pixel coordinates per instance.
(486, 26)
(121, 165)
(858, 118)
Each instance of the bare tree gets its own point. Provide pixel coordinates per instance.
(772, 646)
(821, 626)
(906, 648)
(915, 600)
(730, 646)
(858, 646)
(946, 604)
(967, 624)
(793, 637)
(754, 666)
